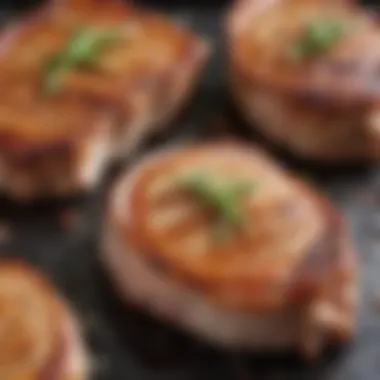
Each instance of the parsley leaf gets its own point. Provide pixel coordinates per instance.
(224, 199)
(318, 38)
(83, 49)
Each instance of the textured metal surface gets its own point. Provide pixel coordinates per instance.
(62, 240)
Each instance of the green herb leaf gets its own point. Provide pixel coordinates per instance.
(318, 38)
(87, 44)
(224, 199)
(83, 49)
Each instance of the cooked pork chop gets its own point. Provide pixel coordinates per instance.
(83, 82)
(219, 240)
(39, 336)
(306, 74)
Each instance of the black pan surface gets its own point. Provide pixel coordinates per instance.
(61, 239)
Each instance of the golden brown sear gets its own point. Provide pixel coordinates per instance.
(306, 73)
(219, 240)
(39, 337)
(95, 78)
(147, 53)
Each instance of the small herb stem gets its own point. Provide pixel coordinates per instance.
(225, 200)
(318, 38)
(84, 48)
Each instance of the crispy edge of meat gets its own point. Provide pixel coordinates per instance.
(169, 98)
(323, 318)
(306, 121)
(237, 20)
(309, 130)
(69, 359)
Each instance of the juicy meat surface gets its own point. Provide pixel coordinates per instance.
(40, 339)
(102, 109)
(322, 106)
(148, 53)
(287, 279)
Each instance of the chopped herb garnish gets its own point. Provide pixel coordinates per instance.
(224, 199)
(83, 49)
(318, 38)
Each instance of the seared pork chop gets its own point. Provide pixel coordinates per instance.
(39, 336)
(305, 73)
(83, 83)
(218, 239)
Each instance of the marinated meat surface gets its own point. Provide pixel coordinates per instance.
(84, 82)
(267, 268)
(305, 74)
(40, 339)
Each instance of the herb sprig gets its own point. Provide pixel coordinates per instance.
(224, 199)
(83, 49)
(318, 38)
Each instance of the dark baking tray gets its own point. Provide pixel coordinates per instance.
(61, 239)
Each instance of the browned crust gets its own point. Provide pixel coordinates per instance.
(300, 86)
(355, 142)
(121, 101)
(329, 265)
(55, 363)
(18, 149)
(320, 264)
